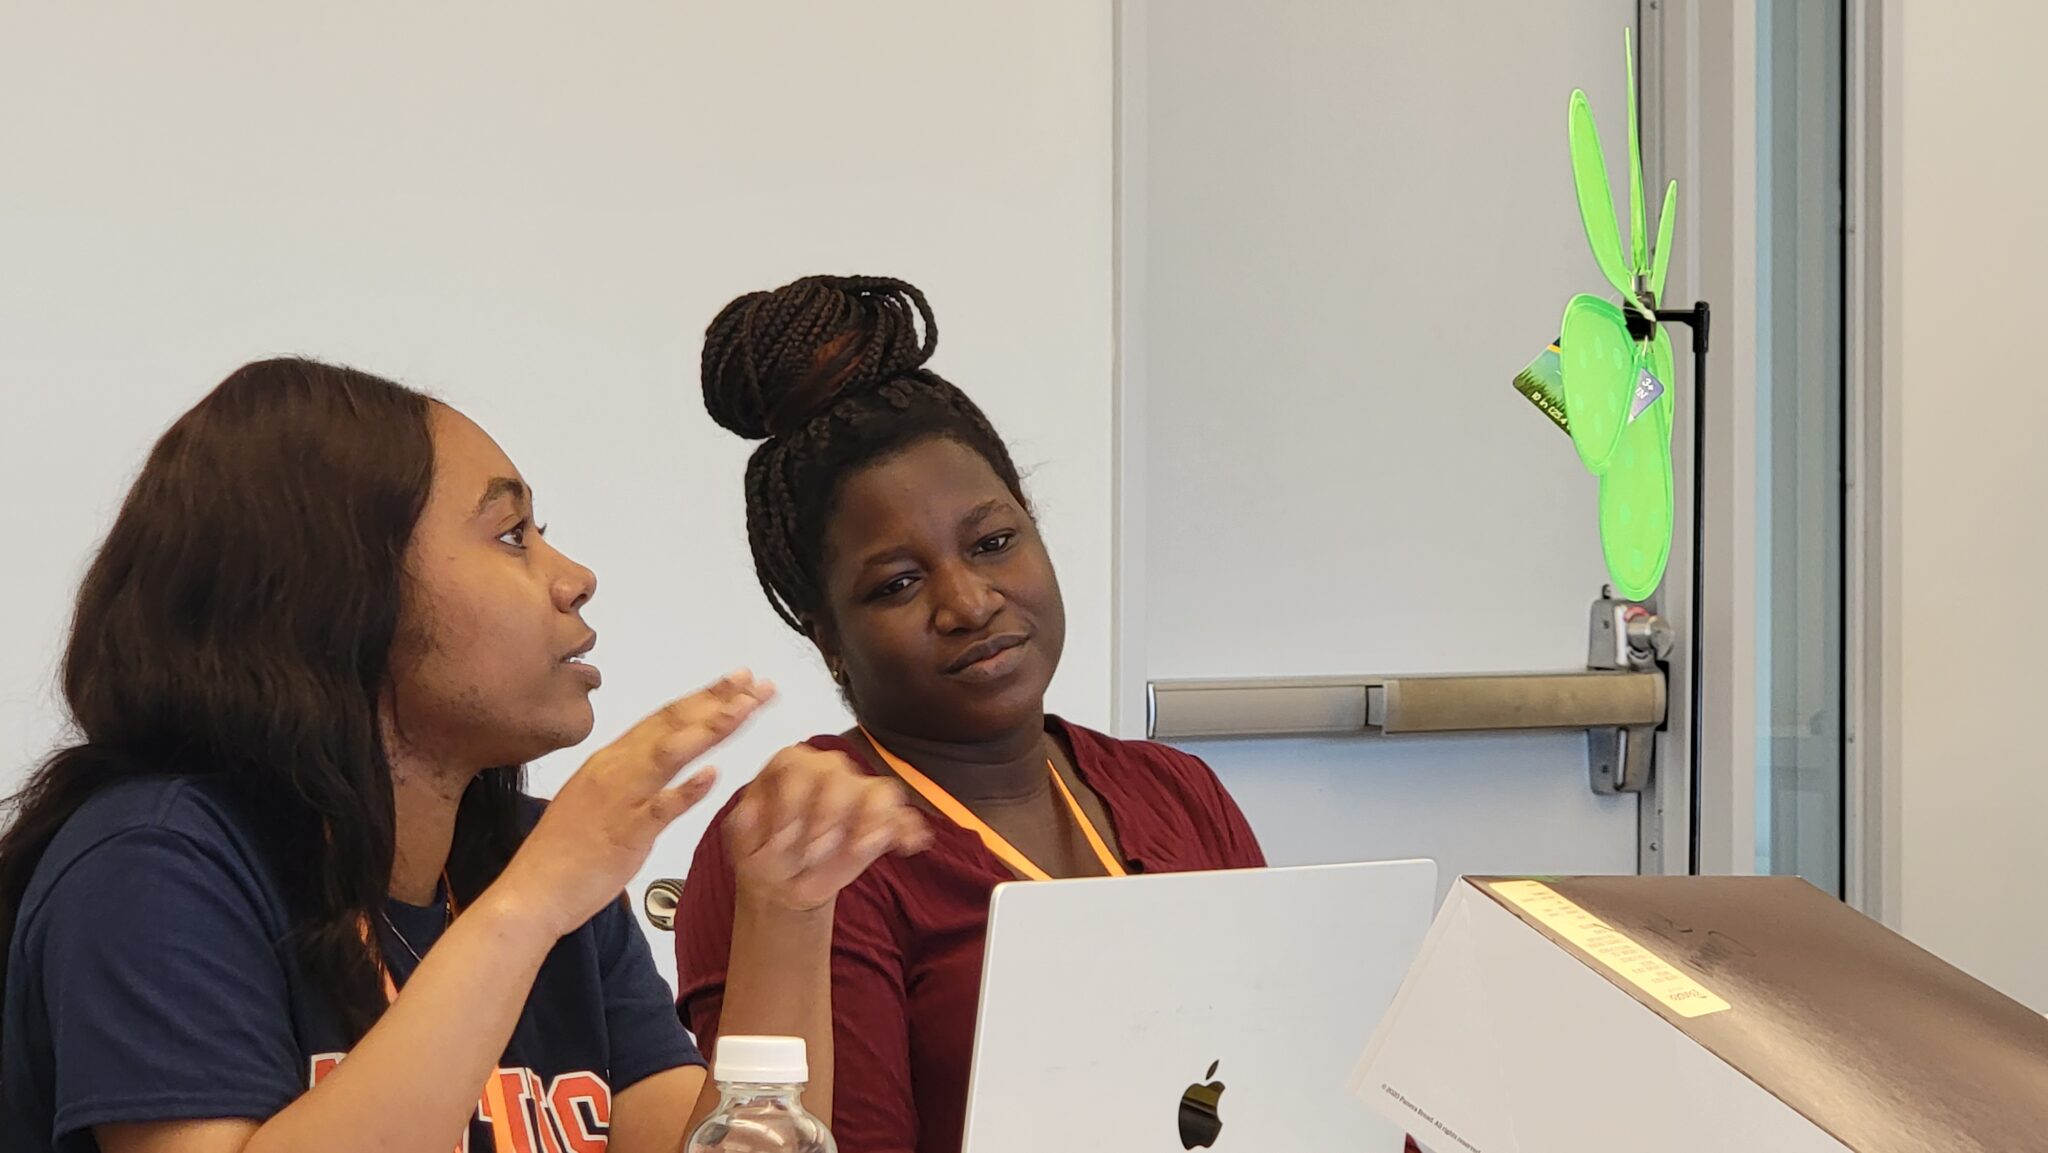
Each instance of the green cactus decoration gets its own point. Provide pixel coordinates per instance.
(1622, 435)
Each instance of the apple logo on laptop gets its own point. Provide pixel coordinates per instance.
(1199, 1122)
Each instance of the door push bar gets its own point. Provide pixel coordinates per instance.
(1618, 699)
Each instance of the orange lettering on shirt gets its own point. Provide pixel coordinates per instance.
(573, 1115)
(569, 1097)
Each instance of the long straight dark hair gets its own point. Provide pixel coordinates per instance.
(237, 624)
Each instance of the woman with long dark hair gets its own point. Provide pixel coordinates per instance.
(321, 637)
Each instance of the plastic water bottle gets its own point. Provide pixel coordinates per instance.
(760, 1110)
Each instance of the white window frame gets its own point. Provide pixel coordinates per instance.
(1870, 571)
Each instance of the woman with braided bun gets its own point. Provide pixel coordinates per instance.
(889, 526)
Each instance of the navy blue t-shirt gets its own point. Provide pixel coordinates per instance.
(150, 979)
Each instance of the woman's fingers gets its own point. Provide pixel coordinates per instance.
(678, 799)
(812, 822)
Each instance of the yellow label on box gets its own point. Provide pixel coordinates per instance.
(1630, 961)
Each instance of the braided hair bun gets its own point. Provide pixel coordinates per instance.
(774, 360)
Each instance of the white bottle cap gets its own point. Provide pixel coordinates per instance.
(761, 1061)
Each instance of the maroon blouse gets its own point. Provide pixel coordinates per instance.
(908, 937)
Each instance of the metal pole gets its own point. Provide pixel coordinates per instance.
(1696, 318)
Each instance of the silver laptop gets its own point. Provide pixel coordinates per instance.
(1180, 1011)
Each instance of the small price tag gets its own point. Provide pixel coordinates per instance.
(1543, 383)
(1648, 389)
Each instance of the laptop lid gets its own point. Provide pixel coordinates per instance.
(1220, 1010)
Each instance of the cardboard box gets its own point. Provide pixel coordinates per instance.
(1696, 1014)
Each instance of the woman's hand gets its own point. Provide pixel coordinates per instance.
(810, 823)
(597, 832)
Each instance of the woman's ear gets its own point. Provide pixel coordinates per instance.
(828, 648)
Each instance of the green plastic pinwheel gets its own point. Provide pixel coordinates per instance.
(1620, 422)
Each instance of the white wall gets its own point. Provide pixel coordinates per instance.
(1970, 486)
(533, 209)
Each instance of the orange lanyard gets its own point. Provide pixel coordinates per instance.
(494, 1087)
(960, 815)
